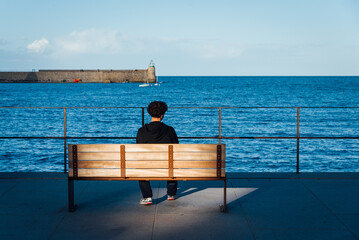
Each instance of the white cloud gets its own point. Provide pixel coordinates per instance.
(95, 41)
(38, 46)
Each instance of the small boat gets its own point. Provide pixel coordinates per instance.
(157, 83)
(144, 85)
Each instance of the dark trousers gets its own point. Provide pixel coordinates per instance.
(146, 189)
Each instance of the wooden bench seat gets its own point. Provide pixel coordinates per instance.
(145, 162)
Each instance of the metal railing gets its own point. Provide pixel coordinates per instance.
(219, 137)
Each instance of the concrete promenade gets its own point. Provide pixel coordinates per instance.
(261, 206)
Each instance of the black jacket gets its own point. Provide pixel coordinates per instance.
(156, 132)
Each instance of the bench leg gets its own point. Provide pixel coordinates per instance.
(71, 195)
(223, 208)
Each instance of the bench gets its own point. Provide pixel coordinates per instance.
(145, 162)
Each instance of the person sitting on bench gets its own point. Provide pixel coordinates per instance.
(156, 132)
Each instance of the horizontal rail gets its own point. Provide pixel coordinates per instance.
(68, 107)
(4, 107)
(290, 137)
(319, 137)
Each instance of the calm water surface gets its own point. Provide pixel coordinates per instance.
(251, 155)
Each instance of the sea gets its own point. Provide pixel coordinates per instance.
(242, 110)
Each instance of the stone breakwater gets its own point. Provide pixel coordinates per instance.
(84, 76)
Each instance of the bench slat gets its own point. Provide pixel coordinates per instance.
(145, 147)
(146, 172)
(146, 156)
(96, 164)
(97, 156)
(196, 147)
(196, 172)
(197, 164)
(197, 155)
(117, 147)
(146, 164)
(176, 156)
(97, 172)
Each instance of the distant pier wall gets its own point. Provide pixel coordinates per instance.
(86, 76)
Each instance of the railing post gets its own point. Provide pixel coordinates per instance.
(220, 125)
(143, 116)
(65, 142)
(297, 139)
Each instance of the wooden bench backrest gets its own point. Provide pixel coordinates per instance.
(147, 160)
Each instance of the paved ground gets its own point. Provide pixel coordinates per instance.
(261, 206)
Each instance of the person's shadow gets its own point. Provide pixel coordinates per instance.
(181, 192)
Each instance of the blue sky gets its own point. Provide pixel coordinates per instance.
(184, 38)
